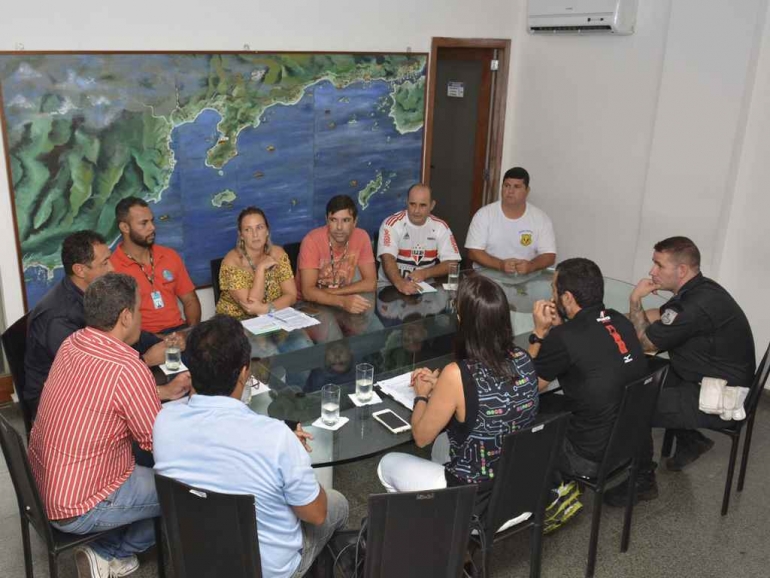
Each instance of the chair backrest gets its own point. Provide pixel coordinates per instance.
(209, 534)
(15, 346)
(27, 495)
(292, 251)
(760, 379)
(633, 421)
(216, 265)
(418, 534)
(523, 473)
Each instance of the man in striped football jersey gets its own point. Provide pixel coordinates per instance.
(415, 246)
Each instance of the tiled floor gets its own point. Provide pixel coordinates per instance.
(681, 534)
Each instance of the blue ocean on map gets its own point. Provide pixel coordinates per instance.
(333, 141)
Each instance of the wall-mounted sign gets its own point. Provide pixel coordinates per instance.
(455, 89)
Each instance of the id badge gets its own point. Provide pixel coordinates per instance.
(157, 299)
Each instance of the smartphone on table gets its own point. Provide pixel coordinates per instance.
(391, 420)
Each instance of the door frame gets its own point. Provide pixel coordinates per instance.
(6, 388)
(499, 101)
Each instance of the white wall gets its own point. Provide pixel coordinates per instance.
(334, 25)
(628, 139)
(745, 259)
(633, 139)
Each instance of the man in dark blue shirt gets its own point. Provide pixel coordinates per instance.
(85, 257)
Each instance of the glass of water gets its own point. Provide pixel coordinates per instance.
(364, 382)
(173, 353)
(454, 275)
(330, 404)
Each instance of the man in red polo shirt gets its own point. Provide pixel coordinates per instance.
(158, 270)
(98, 398)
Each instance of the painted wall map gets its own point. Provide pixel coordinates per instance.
(201, 136)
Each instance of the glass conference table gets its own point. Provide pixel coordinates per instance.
(399, 334)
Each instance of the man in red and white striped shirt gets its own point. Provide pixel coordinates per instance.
(99, 396)
(414, 246)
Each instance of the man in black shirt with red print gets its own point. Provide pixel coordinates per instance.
(706, 334)
(594, 355)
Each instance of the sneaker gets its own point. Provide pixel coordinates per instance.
(559, 493)
(564, 515)
(563, 507)
(646, 489)
(123, 566)
(90, 564)
(688, 449)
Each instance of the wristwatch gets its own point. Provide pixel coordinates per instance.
(535, 338)
(420, 398)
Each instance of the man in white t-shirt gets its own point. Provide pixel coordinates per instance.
(414, 245)
(512, 235)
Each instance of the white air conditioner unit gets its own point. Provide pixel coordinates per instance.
(582, 16)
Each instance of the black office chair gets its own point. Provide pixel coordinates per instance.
(15, 346)
(418, 534)
(31, 511)
(292, 250)
(621, 456)
(522, 484)
(209, 534)
(215, 265)
(733, 431)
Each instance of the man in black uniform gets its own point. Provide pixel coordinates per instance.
(706, 334)
(594, 355)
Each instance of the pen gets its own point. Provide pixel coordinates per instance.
(419, 289)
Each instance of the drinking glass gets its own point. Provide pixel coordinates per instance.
(330, 404)
(454, 275)
(173, 353)
(364, 382)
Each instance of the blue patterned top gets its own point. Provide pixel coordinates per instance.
(494, 407)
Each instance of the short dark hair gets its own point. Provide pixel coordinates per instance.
(340, 203)
(124, 206)
(485, 333)
(583, 278)
(517, 173)
(79, 248)
(217, 351)
(682, 249)
(107, 297)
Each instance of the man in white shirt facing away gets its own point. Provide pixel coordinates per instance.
(415, 246)
(512, 235)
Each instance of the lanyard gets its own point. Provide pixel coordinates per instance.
(331, 258)
(151, 276)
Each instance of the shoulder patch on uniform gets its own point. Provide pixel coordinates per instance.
(668, 317)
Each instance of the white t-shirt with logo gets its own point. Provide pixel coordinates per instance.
(524, 238)
(415, 247)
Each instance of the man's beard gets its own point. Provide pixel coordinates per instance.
(561, 310)
(141, 241)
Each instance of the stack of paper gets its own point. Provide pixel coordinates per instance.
(261, 325)
(287, 319)
(426, 288)
(399, 388)
(290, 319)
